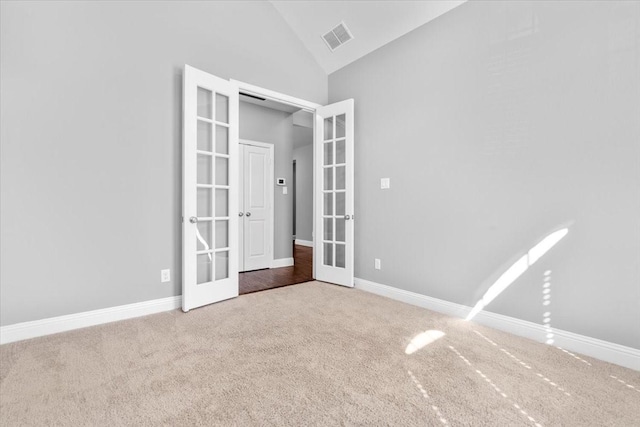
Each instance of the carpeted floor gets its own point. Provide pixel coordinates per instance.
(311, 354)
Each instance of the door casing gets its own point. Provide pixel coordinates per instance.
(295, 102)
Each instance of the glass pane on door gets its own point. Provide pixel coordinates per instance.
(340, 126)
(340, 255)
(222, 108)
(222, 139)
(222, 171)
(341, 152)
(328, 254)
(222, 203)
(204, 202)
(328, 228)
(204, 269)
(328, 153)
(222, 234)
(203, 236)
(204, 169)
(205, 105)
(328, 178)
(340, 203)
(204, 136)
(222, 265)
(328, 128)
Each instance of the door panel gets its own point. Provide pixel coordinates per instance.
(257, 241)
(334, 151)
(210, 188)
(257, 221)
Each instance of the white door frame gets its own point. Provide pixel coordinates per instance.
(295, 102)
(270, 196)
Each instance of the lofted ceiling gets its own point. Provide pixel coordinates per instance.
(372, 23)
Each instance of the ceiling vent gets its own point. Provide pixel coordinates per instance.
(337, 36)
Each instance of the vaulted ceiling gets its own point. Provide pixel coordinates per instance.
(372, 23)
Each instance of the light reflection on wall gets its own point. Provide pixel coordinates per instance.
(516, 270)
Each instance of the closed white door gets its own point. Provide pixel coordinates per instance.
(256, 209)
(210, 189)
(334, 192)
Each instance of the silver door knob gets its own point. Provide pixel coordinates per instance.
(193, 220)
(240, 213)
(347, 217)
(248, 214)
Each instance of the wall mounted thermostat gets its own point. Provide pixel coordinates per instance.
(281, 181)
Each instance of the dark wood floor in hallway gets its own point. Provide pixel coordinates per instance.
(300, 272)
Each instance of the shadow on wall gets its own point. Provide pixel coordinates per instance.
(515, 270)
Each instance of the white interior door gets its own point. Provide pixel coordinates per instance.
(210, 189)
(334, 192)
(256, 211)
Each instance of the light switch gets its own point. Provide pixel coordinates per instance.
(284, 190)
(385, 183)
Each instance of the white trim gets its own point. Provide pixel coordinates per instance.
(275, 96)
(282, 262)
(53, 325)
(609, 352)
(289, 100)
(308, 243)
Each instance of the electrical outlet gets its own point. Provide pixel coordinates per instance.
(378, 264)
(385, 183)
(165, 275)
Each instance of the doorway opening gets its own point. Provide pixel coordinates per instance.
(210, 190)
(284, 255)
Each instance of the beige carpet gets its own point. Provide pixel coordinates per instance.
(310, 354)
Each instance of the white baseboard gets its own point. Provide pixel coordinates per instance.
(301, 242)
(53, 325)
(282, 262)
(599, 349)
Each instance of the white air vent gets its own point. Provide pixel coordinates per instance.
(338, 36)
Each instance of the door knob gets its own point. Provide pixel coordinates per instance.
(240, 213)
(347, 217)
(248, 214)
(193, 220)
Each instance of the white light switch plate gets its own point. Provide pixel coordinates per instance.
(385, 183)
(285, 190)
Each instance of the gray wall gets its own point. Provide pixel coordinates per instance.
(303, 155)
(496, 123)
(274, 127)
(91, 139)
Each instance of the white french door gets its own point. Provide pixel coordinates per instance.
(334, 191)
(210, 189)
(256, 205)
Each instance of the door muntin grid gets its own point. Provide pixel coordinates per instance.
(334, 190)
(212, 186)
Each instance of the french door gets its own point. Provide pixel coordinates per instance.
(334, 219)
(210, 189)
